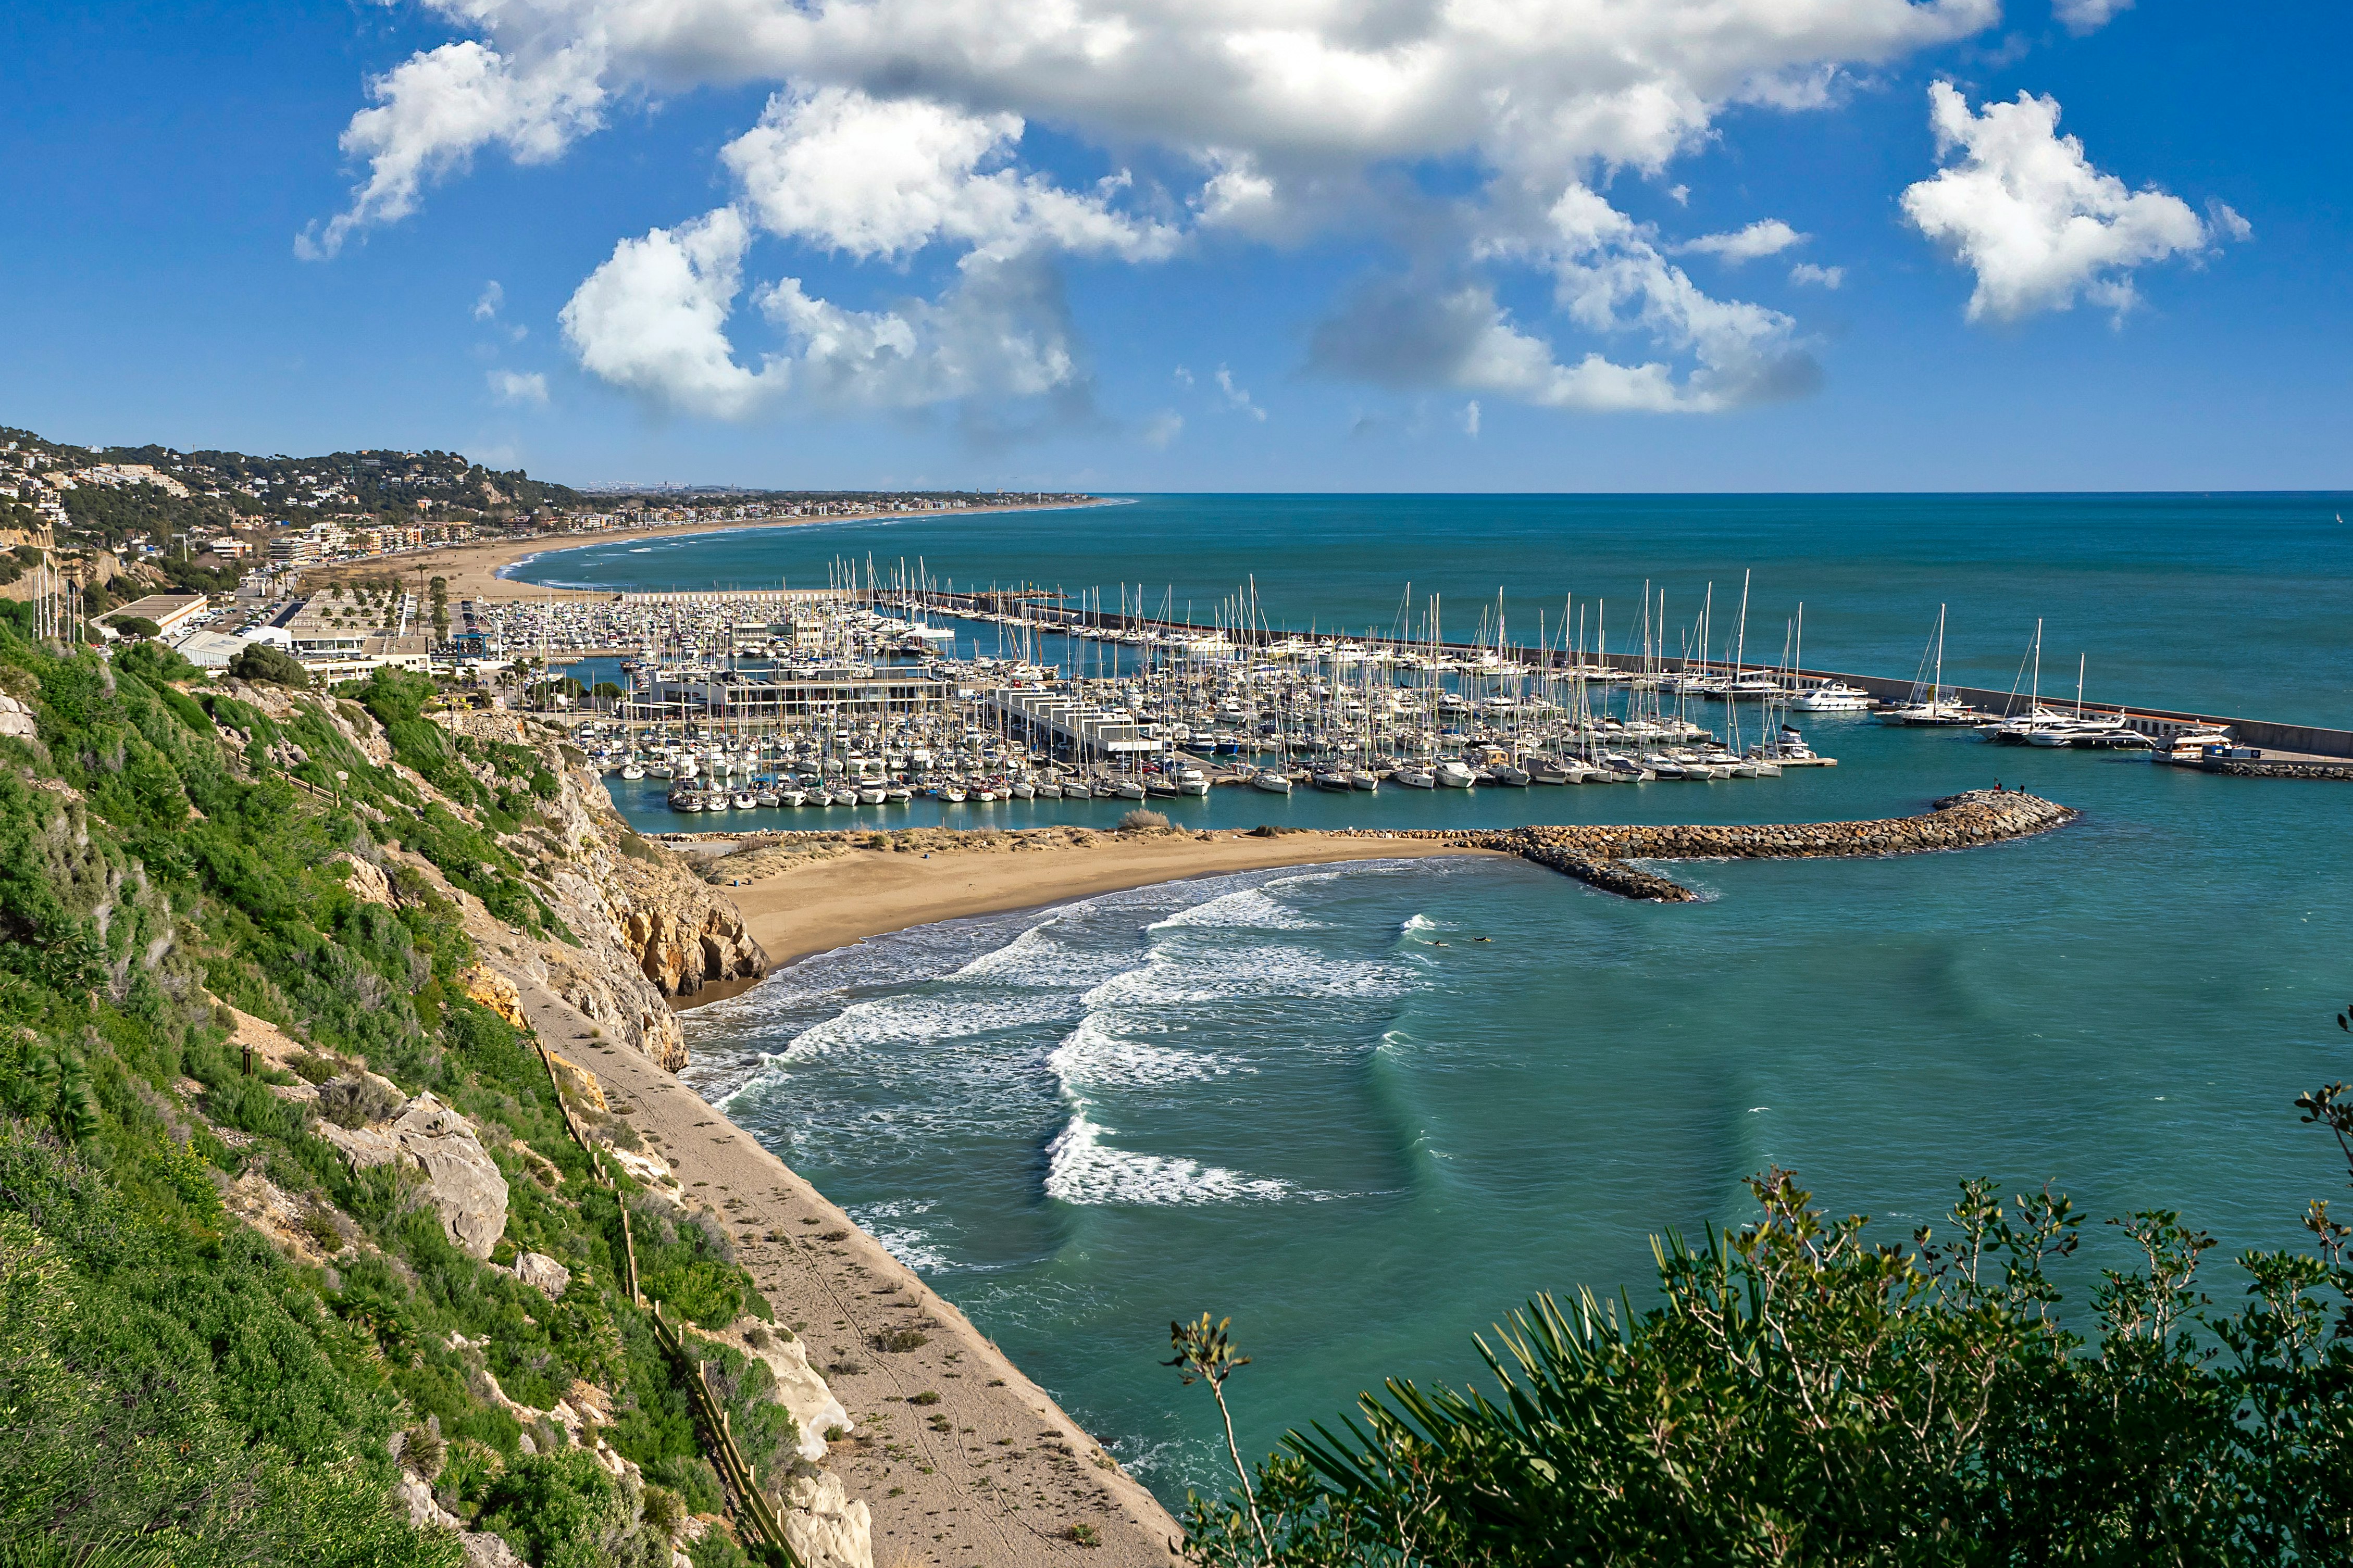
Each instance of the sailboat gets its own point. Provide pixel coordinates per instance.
(1934, 711)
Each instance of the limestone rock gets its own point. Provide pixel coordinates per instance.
(366, 881)
(542, 1272)
(497, 993)
(425, 1510)
(462, 1179)
(484, 1550)
(826, 1526)
(580, 1085)
(16, 720)
(797, 1387)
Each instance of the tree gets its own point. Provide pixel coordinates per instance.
(262, 662)
(135, 627)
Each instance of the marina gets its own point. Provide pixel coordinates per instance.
(883, 693)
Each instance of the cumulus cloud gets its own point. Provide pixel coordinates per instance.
(486, 308)
(1766, 237)
(1806, 274)
(653, 318)
(437, 109)
(525, 387)
(883, 177)
(2084, 16)
(2026, 210)
(901, 127)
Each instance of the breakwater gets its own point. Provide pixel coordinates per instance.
(1596, 855)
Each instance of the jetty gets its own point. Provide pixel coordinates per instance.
(1599, 856)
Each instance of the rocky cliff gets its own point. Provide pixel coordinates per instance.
(649, 928)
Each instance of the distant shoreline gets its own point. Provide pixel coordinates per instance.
(480, 571)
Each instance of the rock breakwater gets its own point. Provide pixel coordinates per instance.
(1596, 855)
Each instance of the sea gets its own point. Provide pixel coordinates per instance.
(1366, 1111)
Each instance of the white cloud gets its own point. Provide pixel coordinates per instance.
(2038, 224)
(525, 387)
(1471, 419)
(1238, 398)
(486, 309)
(2083, 16)
(1183, 377)
(434, 109)
(653, 318)
(877, 177)
(1162, 429)
(895, 126)
(1806, 274)
(1766, 237)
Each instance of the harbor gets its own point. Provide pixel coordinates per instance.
(886, 695)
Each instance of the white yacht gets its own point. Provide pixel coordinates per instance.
(1453, 774)
(1271, 781)
(1831, 697)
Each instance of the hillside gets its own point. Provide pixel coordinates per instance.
(115, 491)
(303, 1256)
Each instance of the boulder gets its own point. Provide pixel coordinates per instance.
(826, 1526)
(462, 1179)
(484, 1550)
(366, 881)
(542, 1272)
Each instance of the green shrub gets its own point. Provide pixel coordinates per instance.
(262, 664)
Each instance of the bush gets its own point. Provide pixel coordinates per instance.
(137, 627)
(357, 1100)
(1140, 821)
(261, 663)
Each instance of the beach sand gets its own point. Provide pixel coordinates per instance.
(991, 1473)
(815, 907)
(472, 570)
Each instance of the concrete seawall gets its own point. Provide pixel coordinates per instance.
(1595, 856)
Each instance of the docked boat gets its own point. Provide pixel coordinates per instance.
(1271, 781)
(1510, 776)
(1358, 779)
(1453, 774)
(1414, 778)
(1192, 782)
(1830, 697)
(1337, 783)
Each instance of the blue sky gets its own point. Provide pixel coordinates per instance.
(1135, 245)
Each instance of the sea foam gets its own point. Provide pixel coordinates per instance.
(1084, 1170)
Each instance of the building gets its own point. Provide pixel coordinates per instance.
(169, 611)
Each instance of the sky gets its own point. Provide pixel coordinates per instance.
(1195, 244)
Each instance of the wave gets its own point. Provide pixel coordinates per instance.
(1250, 909)
(1035, 959)
(908, 1020)
(1251, 973)
(909, 1244)
(1093, 1057)
(1083, 1169)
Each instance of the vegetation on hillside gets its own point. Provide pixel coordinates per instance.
(171, 1378)
(1803, 1395)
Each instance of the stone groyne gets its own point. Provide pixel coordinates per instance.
(1596, 855)
(2280, 769)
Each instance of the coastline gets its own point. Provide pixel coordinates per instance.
(480, 571)
(817, 905)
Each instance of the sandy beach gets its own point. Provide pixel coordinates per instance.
(472, 570)
(817, 906)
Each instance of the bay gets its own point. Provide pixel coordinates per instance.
(1277, 1096)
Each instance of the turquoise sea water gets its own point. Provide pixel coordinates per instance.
(1276, 1096)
